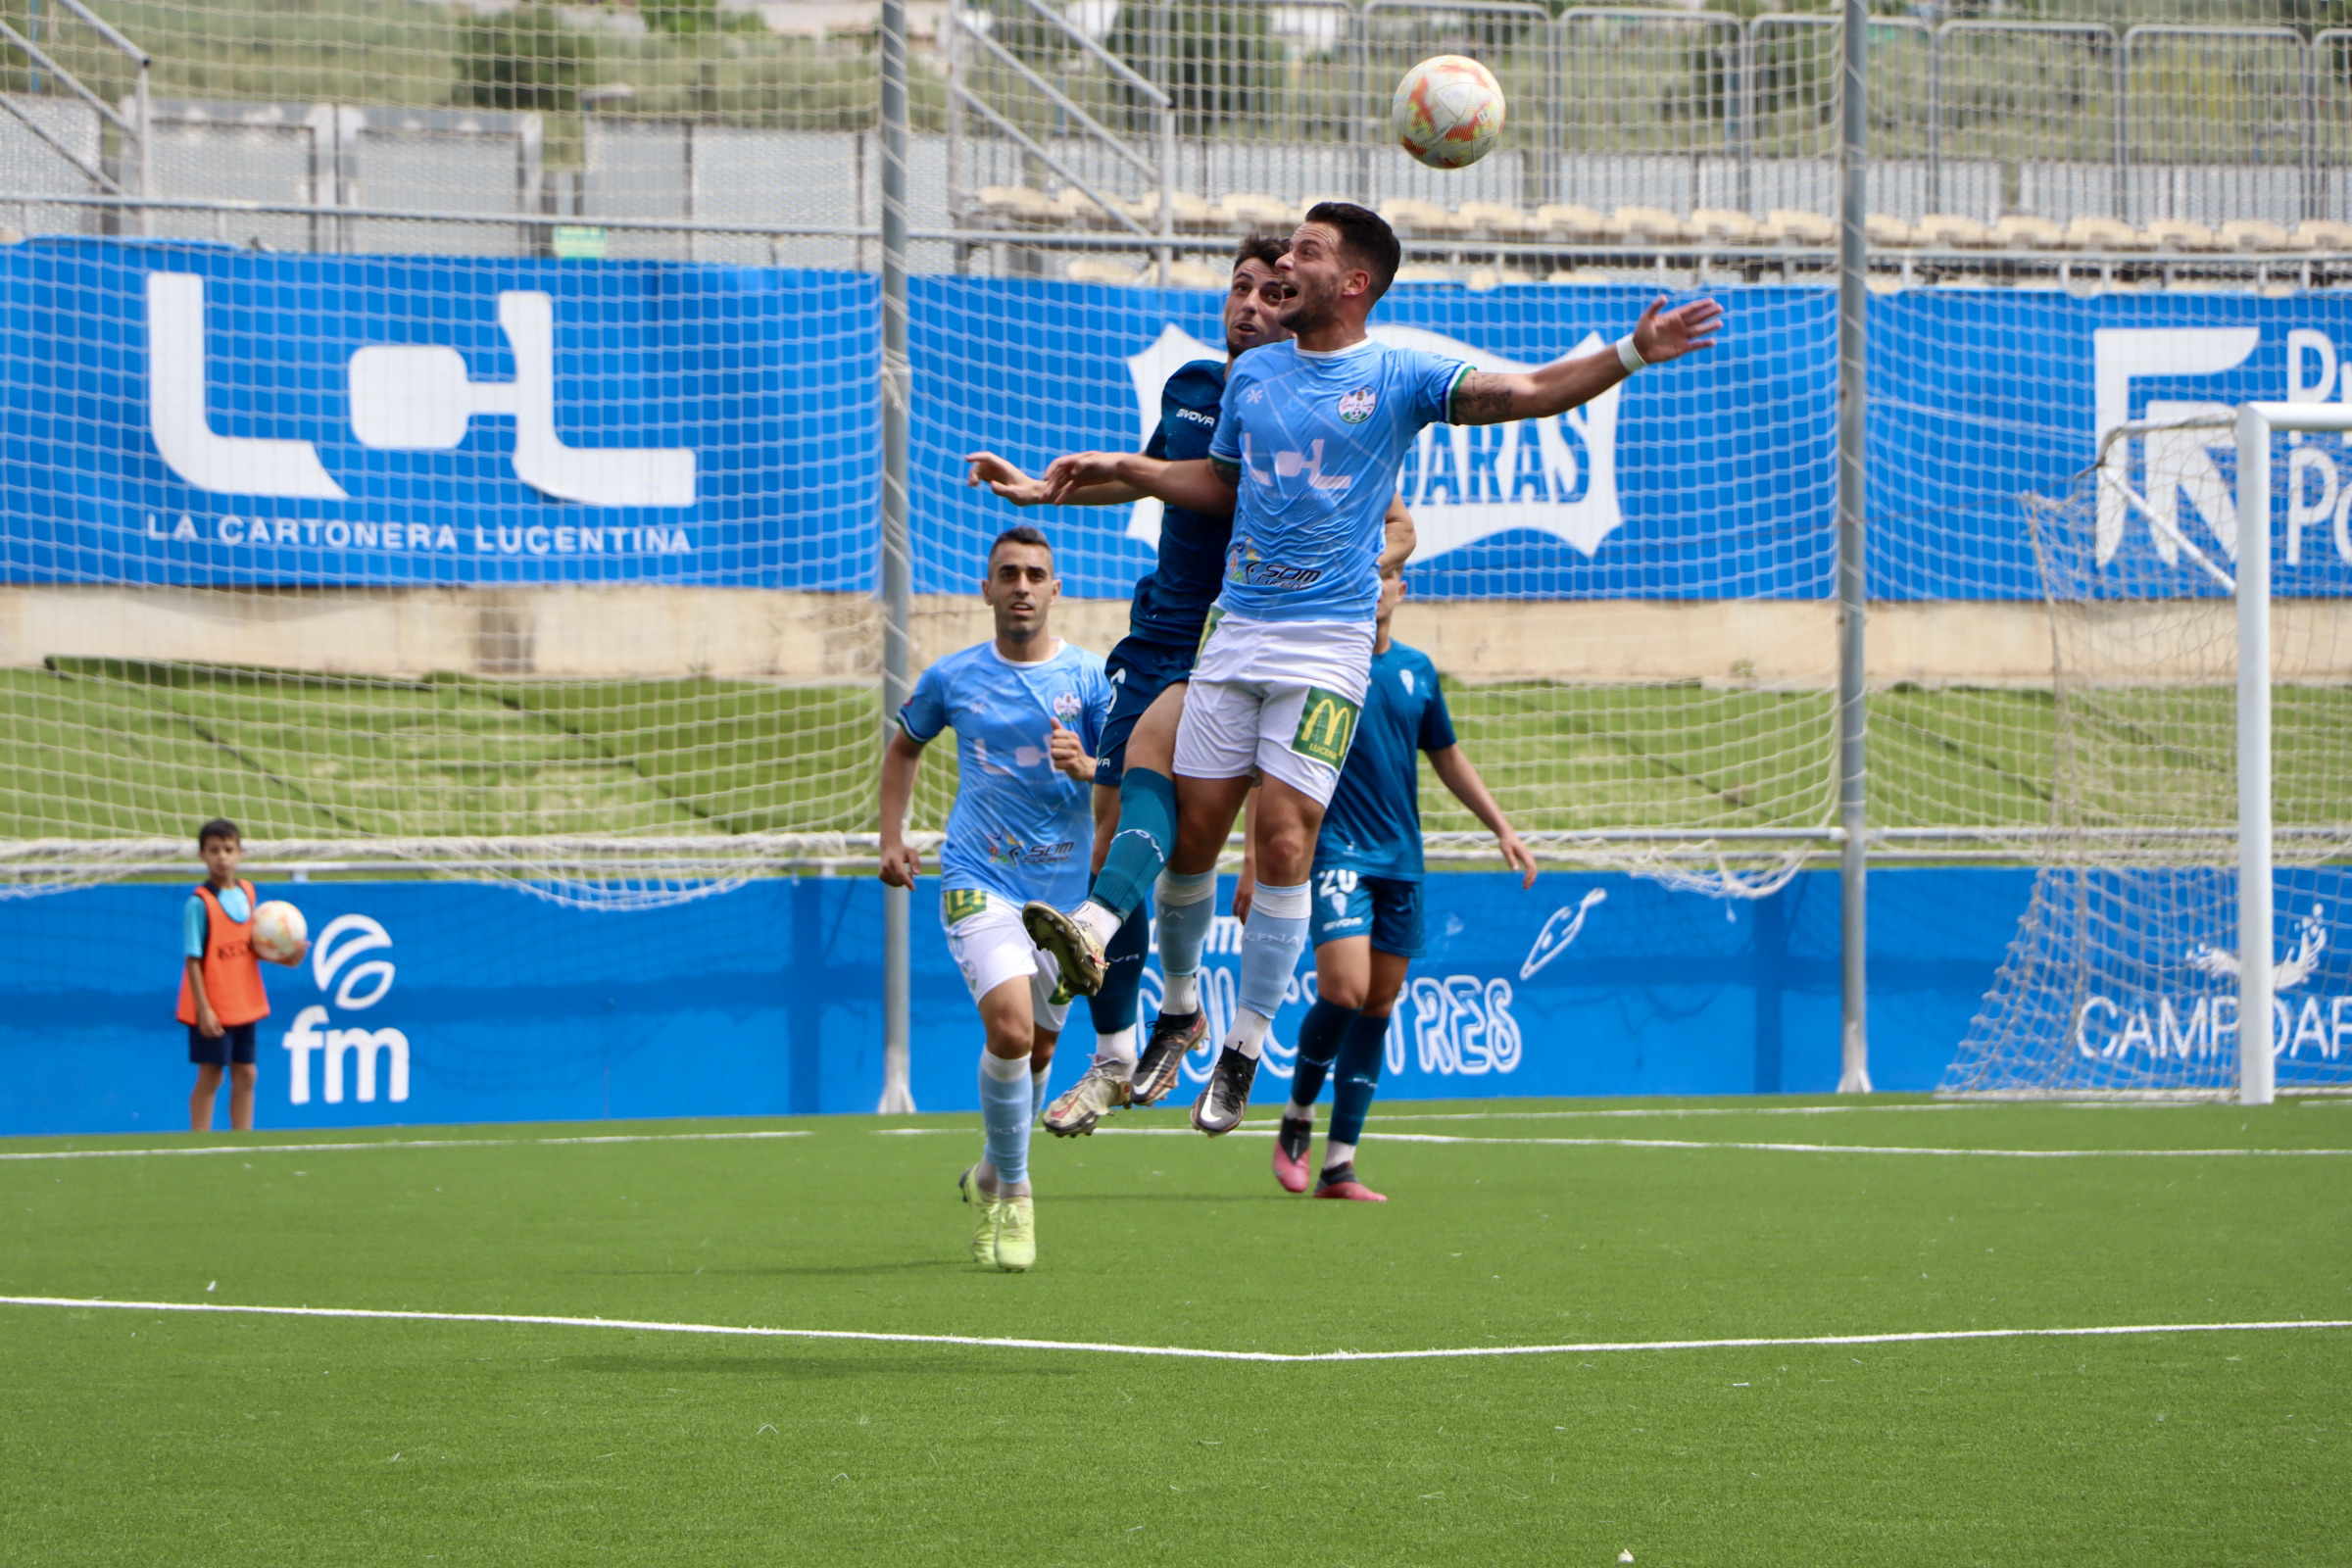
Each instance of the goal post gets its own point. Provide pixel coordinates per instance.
(2195, 796)
(2257, 423)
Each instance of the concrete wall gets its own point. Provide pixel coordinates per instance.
(586, 632)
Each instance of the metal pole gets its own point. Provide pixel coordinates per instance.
(1853, 404)
(2255, 1068)
(951, 42)
(146, 124)
(897, 594)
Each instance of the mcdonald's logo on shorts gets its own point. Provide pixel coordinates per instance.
(1326, 726)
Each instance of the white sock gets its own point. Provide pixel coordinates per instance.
(1182, 995)
(1249, 1035)
(1101, 921)
(1337, 1154)
(1295, 1111)
(1116, 1048)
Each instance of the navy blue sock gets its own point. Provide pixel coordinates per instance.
(1114, 1005)
(1139, 850)
(1319, 1035)
(1358, 1077)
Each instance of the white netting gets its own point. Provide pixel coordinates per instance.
(480, 658)
(2122, 976)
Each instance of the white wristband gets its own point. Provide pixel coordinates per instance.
(1628, 356)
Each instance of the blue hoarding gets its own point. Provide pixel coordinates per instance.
(429, 1002)
(192, 414)
(179, 412)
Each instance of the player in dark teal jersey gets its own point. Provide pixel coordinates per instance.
(1366, 924)
(1135, 791)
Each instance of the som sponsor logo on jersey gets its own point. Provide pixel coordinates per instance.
(400, 397)
(349, 1057)
(2180, 1028)
(1464, 482)
(2179, 485)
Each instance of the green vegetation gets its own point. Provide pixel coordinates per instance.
(96, 749)
(141, 1437)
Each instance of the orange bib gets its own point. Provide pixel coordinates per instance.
(232, 975)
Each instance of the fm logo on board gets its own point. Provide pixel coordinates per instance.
(349, 1057)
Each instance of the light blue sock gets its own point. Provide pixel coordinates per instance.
(1272, 938)
(1037, 1082)
(1005, 1112)
(1188, 909)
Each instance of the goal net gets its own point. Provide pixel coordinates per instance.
(2124, 973)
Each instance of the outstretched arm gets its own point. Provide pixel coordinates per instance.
(1011, 484)
(1458, 774)
(1203, 485)
(1489, 397)
(1396, 544)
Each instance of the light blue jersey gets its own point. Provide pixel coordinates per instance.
(1319, 439)
(1021, 828)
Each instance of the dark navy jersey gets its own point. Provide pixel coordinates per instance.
(1172, 603)
(1373, 825)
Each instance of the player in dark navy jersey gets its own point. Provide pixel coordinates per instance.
(1135, 792)
(1366, 924)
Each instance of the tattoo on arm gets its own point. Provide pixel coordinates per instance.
(1481, 398)
(1230, 472)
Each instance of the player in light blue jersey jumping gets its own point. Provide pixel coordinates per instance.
(1134, 789)
(1028, 711)
(1306, 456)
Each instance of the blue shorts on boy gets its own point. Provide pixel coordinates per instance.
(233, 1047)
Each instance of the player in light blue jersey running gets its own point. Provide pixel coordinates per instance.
(1306, 456)
(1028, 711)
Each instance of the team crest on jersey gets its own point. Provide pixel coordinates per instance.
(1356, 407)
(1067, 706)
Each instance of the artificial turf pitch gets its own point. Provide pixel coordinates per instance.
(148, 1436)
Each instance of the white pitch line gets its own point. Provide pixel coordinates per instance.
(395, 1143)
(1177, 1352)
(1831, 1148)
(1265, 1130)
(1696, 1110)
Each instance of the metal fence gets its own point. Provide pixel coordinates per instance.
(1124, 134)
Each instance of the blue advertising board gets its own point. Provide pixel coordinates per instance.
(1710, 479)
(436, 1003)
(196, 413)
(1980, 397)
(190, 414)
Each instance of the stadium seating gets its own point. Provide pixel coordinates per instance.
(1487, 244)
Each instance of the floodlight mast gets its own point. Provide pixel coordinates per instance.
(2257, 1070)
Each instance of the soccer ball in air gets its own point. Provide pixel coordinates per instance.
(1448, 111)
(278, 930)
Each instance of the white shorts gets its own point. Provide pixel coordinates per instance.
(990, 947)
(1278, 698)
